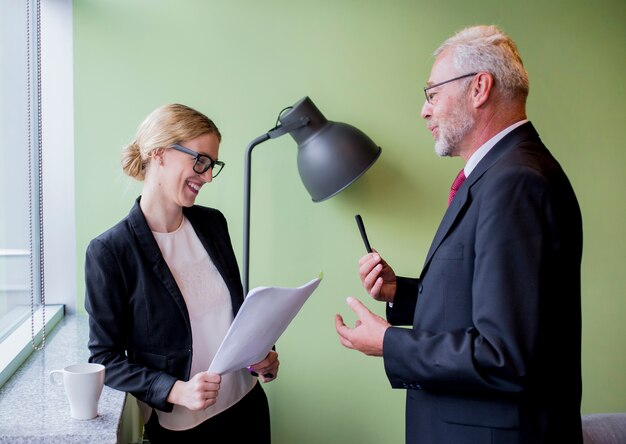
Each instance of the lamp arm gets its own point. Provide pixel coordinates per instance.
(284, 129)
(271, 134)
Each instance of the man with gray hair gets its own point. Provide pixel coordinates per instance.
(493, 355)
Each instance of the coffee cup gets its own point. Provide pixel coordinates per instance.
(83, 385)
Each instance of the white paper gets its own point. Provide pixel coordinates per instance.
(263, 317)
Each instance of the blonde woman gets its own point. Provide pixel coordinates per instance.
(163, 286)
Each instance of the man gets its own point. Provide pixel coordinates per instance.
(493, 355)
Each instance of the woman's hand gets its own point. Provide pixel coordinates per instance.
(198, 393)
(267, 369)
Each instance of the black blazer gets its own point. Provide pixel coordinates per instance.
(139, 327)
(494, 352)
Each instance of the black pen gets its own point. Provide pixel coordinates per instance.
(359, 222)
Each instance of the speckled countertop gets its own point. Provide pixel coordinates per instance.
(33, 410)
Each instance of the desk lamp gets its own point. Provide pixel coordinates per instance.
(331, 155)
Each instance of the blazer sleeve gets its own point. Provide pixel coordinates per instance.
(107, 303)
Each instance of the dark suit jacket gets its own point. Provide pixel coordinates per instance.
(139, 327)
(494, 352)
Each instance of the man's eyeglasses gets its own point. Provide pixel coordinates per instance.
(430, 96)
(203, 163)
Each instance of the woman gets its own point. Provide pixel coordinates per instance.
(163, 286)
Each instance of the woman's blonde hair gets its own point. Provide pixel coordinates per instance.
(165, 126)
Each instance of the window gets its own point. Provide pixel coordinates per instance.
(15, 286)
(20, 135)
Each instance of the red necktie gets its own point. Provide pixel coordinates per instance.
(460, 178)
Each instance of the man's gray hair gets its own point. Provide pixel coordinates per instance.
(488, 48)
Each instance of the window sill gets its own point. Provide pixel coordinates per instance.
(17, 347)
(32, 409)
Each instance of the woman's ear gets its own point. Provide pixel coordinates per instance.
(156, 155)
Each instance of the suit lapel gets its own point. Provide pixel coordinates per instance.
(460, 201)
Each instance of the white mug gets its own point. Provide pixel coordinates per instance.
(83, 386)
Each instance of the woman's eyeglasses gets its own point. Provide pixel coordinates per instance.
(203, 162)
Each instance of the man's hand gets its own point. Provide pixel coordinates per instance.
(368, 332)
(377, 277)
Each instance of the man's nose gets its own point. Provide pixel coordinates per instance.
(427, 109)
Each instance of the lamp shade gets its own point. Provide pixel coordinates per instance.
(331, 155)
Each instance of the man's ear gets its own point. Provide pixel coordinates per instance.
(481, 88)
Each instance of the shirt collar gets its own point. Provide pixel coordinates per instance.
(486, 147)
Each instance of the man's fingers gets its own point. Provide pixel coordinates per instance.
(343, 330)
(358, 307)
(341, 327)
(370, 259)
(346, 343)
(378, 285)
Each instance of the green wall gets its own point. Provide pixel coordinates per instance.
(363, 62)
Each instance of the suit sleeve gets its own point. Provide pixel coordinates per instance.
(504, 273)
(402, 310)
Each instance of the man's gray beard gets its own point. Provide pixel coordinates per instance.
(450, 136)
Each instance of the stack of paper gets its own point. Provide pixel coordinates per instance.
(263, 317)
